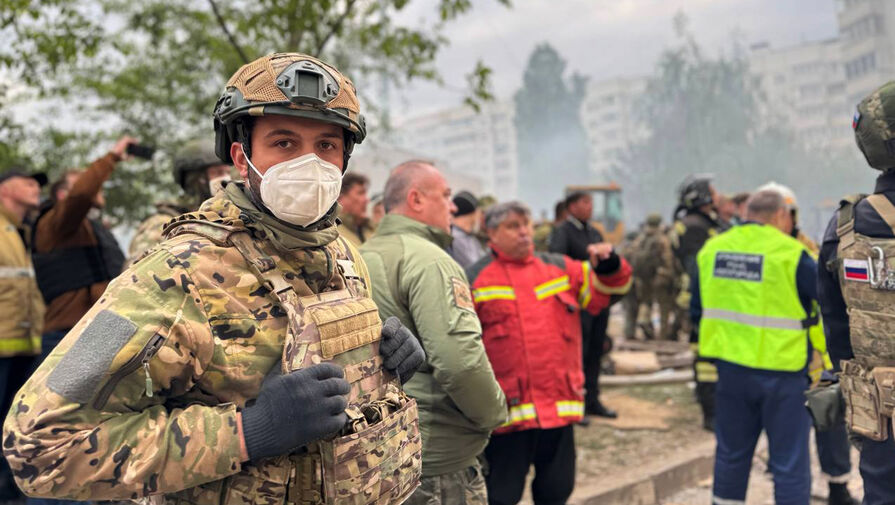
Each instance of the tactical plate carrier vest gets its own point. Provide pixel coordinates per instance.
(866, 269)
(377, 457)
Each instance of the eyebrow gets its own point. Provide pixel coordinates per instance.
(281, 131)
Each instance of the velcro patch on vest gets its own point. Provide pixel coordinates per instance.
(856, 270)
(346, 326)
(462, 295)
(739, 266)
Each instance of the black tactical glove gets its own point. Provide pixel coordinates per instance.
(294, 410)
(400, 350)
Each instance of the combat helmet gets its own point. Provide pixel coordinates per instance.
(874, 125)
(286, 84)
(194, 157)
(695, 191)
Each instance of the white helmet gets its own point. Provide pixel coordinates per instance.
(788, 195)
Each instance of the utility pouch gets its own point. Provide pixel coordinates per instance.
(382, 461)
(885, 386)
(863, 413)
(826, 406)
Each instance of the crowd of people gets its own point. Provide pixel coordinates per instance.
(275, 335)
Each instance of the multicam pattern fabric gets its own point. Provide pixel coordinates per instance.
(150, 233)
(466, 487)
(864, 265)
(198, 330)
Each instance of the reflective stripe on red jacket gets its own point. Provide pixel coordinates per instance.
(529, 311)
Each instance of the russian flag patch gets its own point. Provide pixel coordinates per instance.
(856, 270)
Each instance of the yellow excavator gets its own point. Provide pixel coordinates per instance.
(607, 216)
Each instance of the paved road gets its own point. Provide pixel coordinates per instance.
(761, 486)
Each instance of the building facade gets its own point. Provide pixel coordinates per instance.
(608, 114)
(479, 145)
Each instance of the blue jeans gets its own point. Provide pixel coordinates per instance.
(747, 402)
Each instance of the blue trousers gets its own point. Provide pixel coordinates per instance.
(747, 402)
(834, 453)
(877, 468)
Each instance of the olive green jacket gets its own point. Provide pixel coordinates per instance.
(459, 399)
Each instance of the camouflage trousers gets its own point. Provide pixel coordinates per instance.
(466, 487)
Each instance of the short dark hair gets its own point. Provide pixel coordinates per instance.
(559, 209)
(740, 198)
(576, 196)
(353, 179)
(61, 183)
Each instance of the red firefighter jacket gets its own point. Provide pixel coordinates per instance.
(529, 311)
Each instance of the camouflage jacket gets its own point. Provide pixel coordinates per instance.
(150, 232)
(141, 397)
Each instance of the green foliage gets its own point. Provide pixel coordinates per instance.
(551, 141)
(710, 115)
(156, 67)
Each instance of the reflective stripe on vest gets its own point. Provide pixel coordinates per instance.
(570, 408)
(778, 323)
(584, 294)
(16, 345)
(613, 290)
(552, 287)
(486, 293)
(16, 272)
(520, 413)
(752, 315)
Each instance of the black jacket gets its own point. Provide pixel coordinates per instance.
(829, 294)
(572, 238)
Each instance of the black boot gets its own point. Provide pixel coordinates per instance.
(600, 410)
(839, 495)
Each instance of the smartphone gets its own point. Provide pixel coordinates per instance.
(140, 151)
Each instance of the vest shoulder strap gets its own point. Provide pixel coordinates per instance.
(884, 208)
(845, 227)
(205, 224)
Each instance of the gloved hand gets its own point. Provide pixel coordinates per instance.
(294, 410)
(400, 350)
(826, 406)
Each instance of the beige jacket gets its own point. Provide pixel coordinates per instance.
(21, 306)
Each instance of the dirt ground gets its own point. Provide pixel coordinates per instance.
(654, 422)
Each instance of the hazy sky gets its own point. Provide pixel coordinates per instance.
(600, 38)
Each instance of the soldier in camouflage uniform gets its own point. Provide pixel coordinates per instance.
(653, 261)
(200, 173)
(242, 360)
(855, 291)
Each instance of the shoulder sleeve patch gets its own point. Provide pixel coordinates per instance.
(462, 295)
(80, 372)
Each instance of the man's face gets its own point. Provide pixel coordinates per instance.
(276, 139)
(354, 201)
(726, 208)
(434, 202)
(583, 208)
(215, 171)
(513, 236)
(24, 191)
(783, 221)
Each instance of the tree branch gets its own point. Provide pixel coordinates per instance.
(223, 25)
(336, 26)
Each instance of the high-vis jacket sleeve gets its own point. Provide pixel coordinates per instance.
(452, 337)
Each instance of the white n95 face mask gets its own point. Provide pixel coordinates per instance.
(300, 191)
